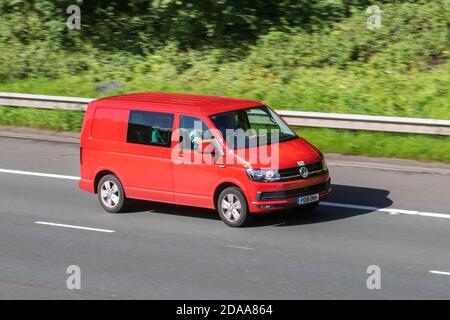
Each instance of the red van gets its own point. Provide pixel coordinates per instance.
(233, 155)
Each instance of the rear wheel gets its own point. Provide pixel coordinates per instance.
(110, 194)
(232, 207)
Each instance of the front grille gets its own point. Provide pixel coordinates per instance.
(289, 174)
(300, 192)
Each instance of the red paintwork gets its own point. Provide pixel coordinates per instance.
(148, 173)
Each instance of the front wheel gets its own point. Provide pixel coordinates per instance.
(110, 194)
(232, 207)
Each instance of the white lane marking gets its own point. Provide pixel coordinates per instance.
(73, 227)
(416, 213)
(39, 174)
(324, 203)
(346, 205)
(440, 272)
(239, 247)
(388, 210)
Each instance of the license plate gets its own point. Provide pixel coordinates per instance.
(308, 199)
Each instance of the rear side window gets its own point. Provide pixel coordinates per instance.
(150, 128)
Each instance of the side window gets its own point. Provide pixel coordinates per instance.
(150, 128)
(193, 132)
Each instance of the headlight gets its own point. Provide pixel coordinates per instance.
(324, 165)
(263, 175)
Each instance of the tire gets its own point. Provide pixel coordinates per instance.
(110, 194)
(239, 216)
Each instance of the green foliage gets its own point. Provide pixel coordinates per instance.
(119, 38)
(138, 25)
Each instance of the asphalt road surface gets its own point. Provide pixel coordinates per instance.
(398, 221)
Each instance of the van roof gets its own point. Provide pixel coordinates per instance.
(177, 102)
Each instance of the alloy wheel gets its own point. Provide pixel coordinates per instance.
(110, 194)
(231, 207)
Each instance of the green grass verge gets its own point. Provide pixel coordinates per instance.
(408, 146)
(60, 120)
(424, 94)
(380, 144)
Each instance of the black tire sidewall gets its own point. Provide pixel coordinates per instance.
(245, 214)
(119, 207)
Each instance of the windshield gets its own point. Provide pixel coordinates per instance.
(252, 127)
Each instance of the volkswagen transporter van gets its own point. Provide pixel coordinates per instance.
(233, 155)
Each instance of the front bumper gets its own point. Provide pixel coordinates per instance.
(271, 197)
